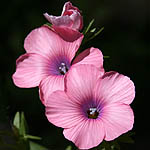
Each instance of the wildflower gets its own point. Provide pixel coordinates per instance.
(47, 59)
(92, 107)
(69, 23)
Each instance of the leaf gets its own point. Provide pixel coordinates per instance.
(20, 123)
(32, 137)
(93, 30)
(69, 148)
(35, 146)
(88, 27)
(16, 124)
(97, 33)
(23, 125)
(91, 35)
(16, 121)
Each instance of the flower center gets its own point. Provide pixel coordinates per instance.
(63, 68)
(92, 113)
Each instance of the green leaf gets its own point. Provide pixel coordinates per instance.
(69, 148)
(20, 123)
(27, 136)
(93, 30)
(16, 124)
(100, 30)
(23, 125)
(16, 121)
(35, 146)
(88, 27)
(97, 33)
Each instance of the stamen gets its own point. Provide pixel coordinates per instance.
(92, 113)
(63, 68)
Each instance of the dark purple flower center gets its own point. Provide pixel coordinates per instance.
(91, 108)
(59, 65)
(92, 113)
(63, 68)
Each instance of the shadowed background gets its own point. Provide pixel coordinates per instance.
(124, 39)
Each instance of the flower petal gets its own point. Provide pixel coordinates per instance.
(77, 20)
(68, 34)
(61, 111)
(91, 56)
(31, 69)
(68, 6)
(80, 81)
(49, 85)
(87, 134)
(43, 41)
(59, 21)
(70, 18)
(117, 118)
(75, 15)
(115, 87)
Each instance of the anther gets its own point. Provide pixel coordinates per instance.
(63, 68)
(93, 113)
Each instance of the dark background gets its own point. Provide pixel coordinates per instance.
(125, 39)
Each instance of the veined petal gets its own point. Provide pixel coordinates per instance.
(87, 134)
(42, 41)
(61, 111)
(68, 34)
(75, 15)
(70, 18)
(117, 118)
(80, 82)
(68, 6)
(49, 85)
(46, 42)
(31, 69)
(59, 20)
(91, 56)
(115, 87)
(77, 20)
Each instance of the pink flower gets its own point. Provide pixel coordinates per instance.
(70, 22)
(47, 60)
(92, 107)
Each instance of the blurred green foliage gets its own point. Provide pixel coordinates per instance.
(18, 137)
(125, 40)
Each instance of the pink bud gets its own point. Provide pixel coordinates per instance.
(70, 17)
